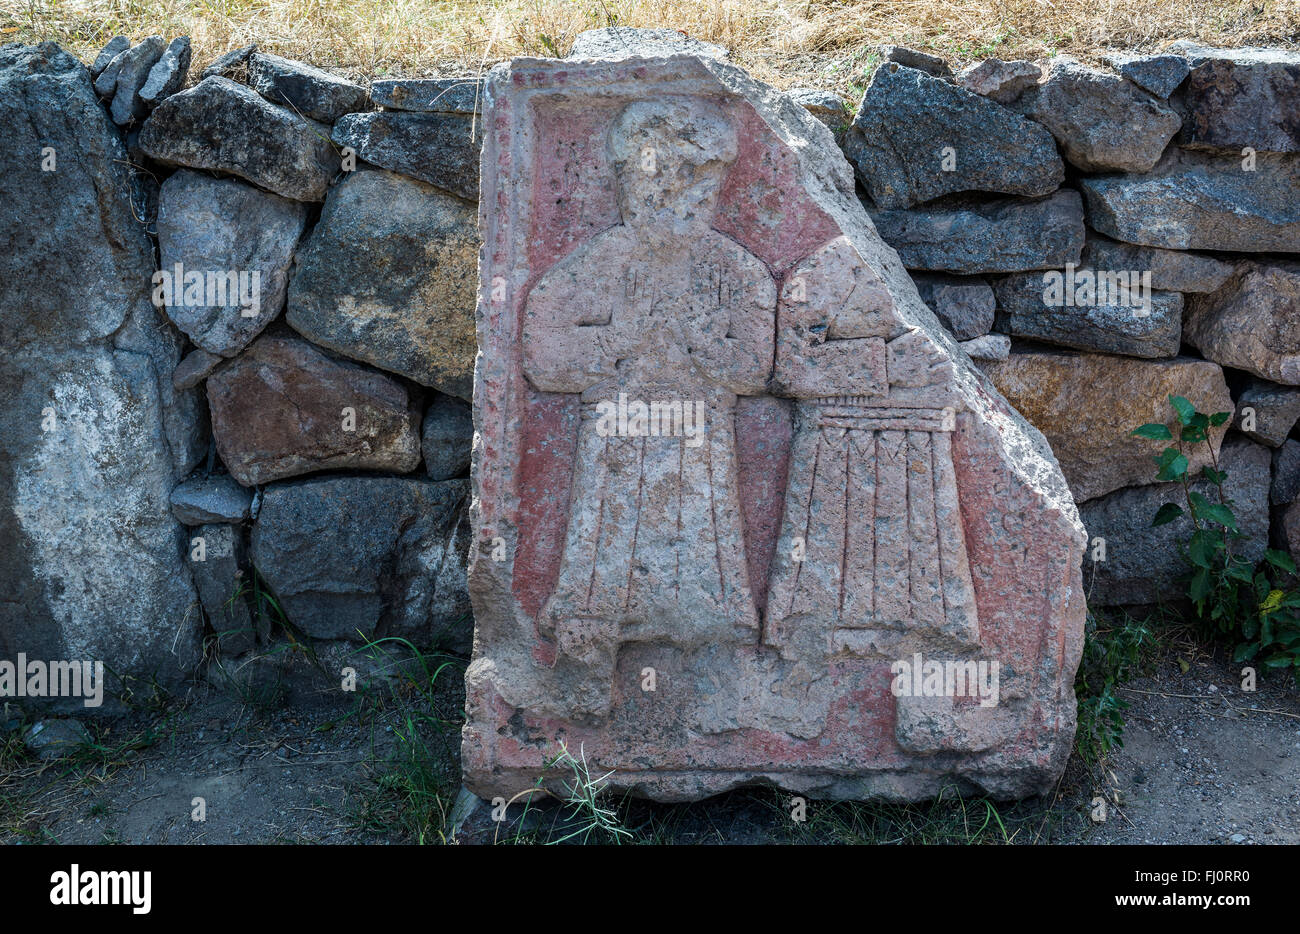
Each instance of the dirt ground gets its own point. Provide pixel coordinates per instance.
(1202, 762)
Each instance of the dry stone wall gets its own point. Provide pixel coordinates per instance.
(239, 332)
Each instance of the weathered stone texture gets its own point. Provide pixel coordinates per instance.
(730, 559)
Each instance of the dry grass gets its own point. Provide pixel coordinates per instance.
(820, 42)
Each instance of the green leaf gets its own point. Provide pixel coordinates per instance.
(1218, 418)
(1154, 431)
(1172, 465)
(1241, 571)
(1200, 551)
(1166, 514)
(1192, 434)
(1280, 660)
(1186, 411)
(1215, 476)
(1214, 512)
(1199, 588)
(1280, 560)
(1250, 628)
(1245, 652)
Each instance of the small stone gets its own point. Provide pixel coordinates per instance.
(194, 368)
(826, 106)
(1093, 310)
(115, 47)
(988, 348)
(235, 237)
(229, 63)
(1159, 74)
(991, 237)
(226, 127)
(1286, 474)
(168, 75)
(214, 499)
(463, 95)
(1252, 322)
(964, 305)
(1171, 270)
(55, 739)
(1238, 838)
(1103, 122)
(446, 438)
(221, 581)
(313, 413)
(1289, 529)
(917, 137)
(618, 42)
(1000, 81)
(307, 91)
(1273, 412)
(441, 149)
(921, 61)
(106, 80)
(133, 72)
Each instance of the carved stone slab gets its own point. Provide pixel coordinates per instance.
(744, 513)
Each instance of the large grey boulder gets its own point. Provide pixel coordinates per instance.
(388, 277)
(74, 255)
(92, 435)
(439, 148)
(1143, 564)
(1252, 322)
(225, 249)
(310, 92)
(1238, 98)
(990, 237)
(226, 127)
(1095, 311)
(93, 564)
(1103, 122)
(356, 557)
(917, 137)
(1198, 201)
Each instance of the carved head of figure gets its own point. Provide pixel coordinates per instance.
(670, 158)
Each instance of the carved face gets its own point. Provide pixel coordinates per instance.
(670, 159)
